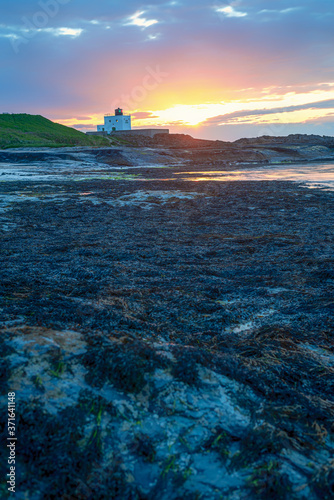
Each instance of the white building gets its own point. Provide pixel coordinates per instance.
(115, 123)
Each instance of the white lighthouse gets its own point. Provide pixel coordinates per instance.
(115, 123)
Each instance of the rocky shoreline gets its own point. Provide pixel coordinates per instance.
(197, 152)
(165, 338)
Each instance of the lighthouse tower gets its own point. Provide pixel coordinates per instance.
(115, 123)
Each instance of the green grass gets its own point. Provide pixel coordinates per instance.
(22, 130)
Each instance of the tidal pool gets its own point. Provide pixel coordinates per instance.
(313, 175)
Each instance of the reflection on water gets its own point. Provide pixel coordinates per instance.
(313, 175)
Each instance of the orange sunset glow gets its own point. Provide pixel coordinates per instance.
(220, 70)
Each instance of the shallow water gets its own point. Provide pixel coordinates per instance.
(56, 170)
(314, 175)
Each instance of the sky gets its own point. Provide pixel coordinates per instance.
(214, 69)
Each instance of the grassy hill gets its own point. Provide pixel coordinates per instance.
(22, 130)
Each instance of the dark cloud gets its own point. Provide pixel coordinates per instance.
(230, 117)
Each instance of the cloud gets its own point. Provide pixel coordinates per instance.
(283, 11)
(231, 117)
(230, 11)
(143, 115)
(82, 118)
(11, 36)
(82, 126)
(74, 33)
(90, 54)
(142, 22)
(27, 31)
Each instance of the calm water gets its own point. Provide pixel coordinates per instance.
(313, 175)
